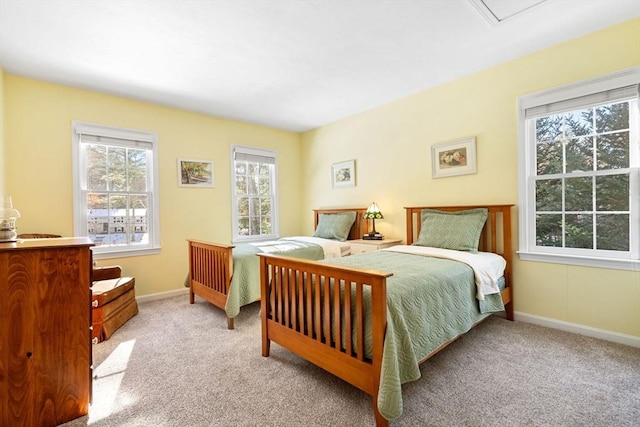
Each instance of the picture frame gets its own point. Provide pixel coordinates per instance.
(452, 158)
(195, 173)
(343, 174)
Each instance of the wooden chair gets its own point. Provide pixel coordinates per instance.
(113, 301)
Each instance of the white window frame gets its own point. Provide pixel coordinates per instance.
(79, 188)
(528, 251)
(275, 220)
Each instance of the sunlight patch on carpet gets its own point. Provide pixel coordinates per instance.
(107, 379)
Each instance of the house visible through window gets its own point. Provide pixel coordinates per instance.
(254, 192)
(580, 179)
(115, 194)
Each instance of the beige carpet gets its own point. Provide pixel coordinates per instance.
(176, 364)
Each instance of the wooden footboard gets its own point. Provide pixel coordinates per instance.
(210, 271)
(309, 320)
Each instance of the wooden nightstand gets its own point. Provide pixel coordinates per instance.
(361, 246)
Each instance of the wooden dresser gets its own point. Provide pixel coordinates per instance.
(45, 347)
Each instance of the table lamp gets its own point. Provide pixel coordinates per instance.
(373, 213)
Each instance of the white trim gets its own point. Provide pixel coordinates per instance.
(526, 176)
(162, 295)
(119, 253)
(275, 226)
(79, 207)
(626, 77)
(575, 328)
(616, 264)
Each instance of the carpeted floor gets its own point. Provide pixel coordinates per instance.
(176, 364)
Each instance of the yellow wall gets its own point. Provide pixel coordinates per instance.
(391, 145)
(2, 178)
(39, 169)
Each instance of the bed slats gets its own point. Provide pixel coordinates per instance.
(311, 304)
(210, 271)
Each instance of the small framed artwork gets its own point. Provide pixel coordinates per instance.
(453, 158)
(343, 174)
(195, 173)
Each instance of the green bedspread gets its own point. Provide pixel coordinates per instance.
(429, 301)
(245, 282)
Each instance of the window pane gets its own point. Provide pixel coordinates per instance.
(96, 167)
(117, 173)
(97, 217)
(548, 129)
(138, 218)
(255, 226)
(549, 157)
(243, 206)
(265, 186)
(579, 155)
(579, 231)
(549, 195)
(578, 194)
(578, 123)
(137, 170)
(265, 207)
(254, 169)
(612, 232)
(243, 226)
(241, 168)
(549, 230)
(241, 185)
(612, 117)
(254, 206)
(613, 150)
(265, 226)
(252, 185)
(612, 193)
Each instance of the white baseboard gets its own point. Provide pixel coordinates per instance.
(575, 328)
(162, 295)
(588, 331)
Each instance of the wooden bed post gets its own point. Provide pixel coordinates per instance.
(264, 305)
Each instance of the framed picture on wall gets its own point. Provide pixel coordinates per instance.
(453, 158)
(343, 174)
(195, 173)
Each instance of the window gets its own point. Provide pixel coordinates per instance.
(580, 173)
(254, 193)
(116, 190)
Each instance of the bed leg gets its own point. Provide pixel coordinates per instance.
(380, 420)
(509, 311)
(230, 322)
(192, 296)
(266, 345)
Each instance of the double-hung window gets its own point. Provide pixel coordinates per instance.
(116, 189)
(254, 193)
(580, 173)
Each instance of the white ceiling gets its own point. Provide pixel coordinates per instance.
(293, 65)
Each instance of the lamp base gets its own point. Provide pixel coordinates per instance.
(373, 236)
(8, 235)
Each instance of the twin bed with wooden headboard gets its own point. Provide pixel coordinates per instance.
(371, 319)
(227, 276)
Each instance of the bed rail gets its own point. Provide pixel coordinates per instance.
(210, 271)
(309, 320)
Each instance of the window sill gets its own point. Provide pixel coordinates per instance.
(616, 264)
(124, 253)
